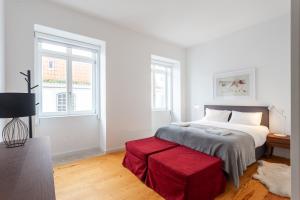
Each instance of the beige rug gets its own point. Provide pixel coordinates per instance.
(275, 176)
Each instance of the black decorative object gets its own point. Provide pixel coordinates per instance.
(15, 105)
(29, 88)
(15, 133)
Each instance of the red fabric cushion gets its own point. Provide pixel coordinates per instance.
(182, 173)
(137, 152)
(144, 147)
(136, 165)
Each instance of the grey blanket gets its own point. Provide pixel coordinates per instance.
(236, 149)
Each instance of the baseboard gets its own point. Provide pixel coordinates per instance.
(115, 149)
(82, 154)
(76, 155)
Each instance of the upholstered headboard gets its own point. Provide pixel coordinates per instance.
(263, 109)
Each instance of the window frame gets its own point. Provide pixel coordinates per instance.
(69, 58)
(168, 84)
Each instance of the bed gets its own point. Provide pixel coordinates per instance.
(259, 151)
(237, 145)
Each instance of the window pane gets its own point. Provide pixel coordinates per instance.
(84, 53)
(54, 86)
(161, 87)
(160, 91)
(160, 68)
(54, 47)
(82, 82)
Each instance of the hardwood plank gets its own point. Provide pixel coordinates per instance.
(105, 178)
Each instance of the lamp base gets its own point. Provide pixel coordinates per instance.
(15, 143)
(15, 133)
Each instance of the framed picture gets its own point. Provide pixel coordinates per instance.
(235, 84)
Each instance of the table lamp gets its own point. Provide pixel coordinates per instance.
(16, 105)
(283, 115)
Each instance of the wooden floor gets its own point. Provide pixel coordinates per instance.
(104, 178)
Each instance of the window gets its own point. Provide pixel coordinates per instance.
(67, 74)
(161, 78)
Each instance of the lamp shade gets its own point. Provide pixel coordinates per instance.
(14, 105)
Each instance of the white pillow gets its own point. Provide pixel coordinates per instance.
(216, 115)
(247, 118)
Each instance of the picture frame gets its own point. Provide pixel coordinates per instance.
(236, 84)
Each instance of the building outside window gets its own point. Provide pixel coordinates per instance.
(51, 64)
(61, 102)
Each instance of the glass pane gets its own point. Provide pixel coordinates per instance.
(80, 52)
(160, 68)
(82, 82)
(160, 91)
(54, 47)
(54, 86)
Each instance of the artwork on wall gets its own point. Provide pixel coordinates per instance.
(235, 84)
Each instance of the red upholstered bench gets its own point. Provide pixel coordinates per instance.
(185, 174)
(138, 151)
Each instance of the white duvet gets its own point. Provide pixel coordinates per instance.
(259, 133)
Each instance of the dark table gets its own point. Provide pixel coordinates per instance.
(26, 172)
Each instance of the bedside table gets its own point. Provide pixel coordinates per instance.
(277, 141)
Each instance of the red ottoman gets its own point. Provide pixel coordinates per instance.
(138, 151)
(185, 174)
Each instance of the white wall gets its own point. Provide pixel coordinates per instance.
(266, 47)
(2, 46)
(2, 63)
(128, 85)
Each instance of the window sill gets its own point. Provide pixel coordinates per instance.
(67, 116)
(161, 110)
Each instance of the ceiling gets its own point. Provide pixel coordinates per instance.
(183, 22)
